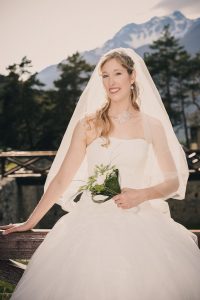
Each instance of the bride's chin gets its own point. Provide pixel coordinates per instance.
(116, 98)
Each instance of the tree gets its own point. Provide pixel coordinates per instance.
(19, 107)
(75, 74)
(31, 118)
(162, 65)
(168, 64)
(193, 82)
(181, 90)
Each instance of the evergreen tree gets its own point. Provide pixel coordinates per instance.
(169, 67)
(19, 107)
(162, 63)
(31, 118)
(75, 74)
(193, 82)
(181, 98)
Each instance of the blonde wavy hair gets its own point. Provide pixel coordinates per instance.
(101, 120)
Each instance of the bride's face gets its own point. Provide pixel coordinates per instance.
(116, 80)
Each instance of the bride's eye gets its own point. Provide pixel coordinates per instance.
(118, 73)
(104, 76)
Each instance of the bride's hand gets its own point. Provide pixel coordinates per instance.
(17, 227)
(129, 198)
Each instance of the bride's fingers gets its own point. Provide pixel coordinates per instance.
(4, 227)
(10, 230)
(117, 201)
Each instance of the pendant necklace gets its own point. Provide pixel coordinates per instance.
(122, 117)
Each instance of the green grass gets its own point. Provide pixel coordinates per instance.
(6, 290)
(10, 165)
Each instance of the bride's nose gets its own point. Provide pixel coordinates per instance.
(111, 81)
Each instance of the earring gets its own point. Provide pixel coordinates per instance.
(131, 87)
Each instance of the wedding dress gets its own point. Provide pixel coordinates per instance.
(102, 252)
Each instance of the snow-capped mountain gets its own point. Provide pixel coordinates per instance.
(139, 37)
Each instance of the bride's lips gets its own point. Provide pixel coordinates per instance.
(114, 90)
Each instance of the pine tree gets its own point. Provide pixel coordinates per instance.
(168, 64)
(75, 73)
(19, 107)
(193, 82)
(162, 65)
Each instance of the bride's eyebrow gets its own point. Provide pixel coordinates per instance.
(115, 70)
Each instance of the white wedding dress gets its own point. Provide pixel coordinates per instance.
(103, 252)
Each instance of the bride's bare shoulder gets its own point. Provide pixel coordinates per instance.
(152, 121)
(155, 130)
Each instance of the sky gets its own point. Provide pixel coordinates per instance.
(47, 31)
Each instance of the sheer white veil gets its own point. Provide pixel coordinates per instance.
(150, 103)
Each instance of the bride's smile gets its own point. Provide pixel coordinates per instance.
(117, 82)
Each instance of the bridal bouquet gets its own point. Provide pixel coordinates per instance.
(104, 184)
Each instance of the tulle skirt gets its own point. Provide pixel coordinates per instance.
(102, 252)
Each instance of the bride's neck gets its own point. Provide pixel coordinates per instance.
(117, 108)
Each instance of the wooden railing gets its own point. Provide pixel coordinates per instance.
(25, 163)
(193, 160)
(21, 246)
(29, 163)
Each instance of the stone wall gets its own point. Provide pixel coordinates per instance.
(187, 211)
(8, 201)
(18, 201)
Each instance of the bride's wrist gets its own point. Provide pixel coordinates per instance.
(29, 224)
(141, 194)
(144, 195)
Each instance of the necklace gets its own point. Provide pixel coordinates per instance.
(122, 117)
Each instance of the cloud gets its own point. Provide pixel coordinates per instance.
(192, 6)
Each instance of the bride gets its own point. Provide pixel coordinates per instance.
(127, 247)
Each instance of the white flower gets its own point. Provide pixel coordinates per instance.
(109, 172)
(100, 179)
(99, 197)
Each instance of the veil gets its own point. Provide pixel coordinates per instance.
(171, 163)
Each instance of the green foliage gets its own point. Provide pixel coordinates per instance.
(31, 118)
(6, 290)
(176, 77)
(75, 73)
(18, 107)
(104, 182)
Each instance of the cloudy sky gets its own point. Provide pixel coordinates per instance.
(47, 31)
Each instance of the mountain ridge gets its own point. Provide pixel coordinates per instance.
(138, 37)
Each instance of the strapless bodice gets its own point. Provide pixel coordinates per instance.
(128, 155)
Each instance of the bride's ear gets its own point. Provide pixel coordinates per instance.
(133, 77)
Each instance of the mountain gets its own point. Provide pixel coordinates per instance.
(191, 40)
(139, 37)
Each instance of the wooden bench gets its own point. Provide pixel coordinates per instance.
(22, 245)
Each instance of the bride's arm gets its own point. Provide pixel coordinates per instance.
(170, 183)
(163, 155)
(70, 165)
